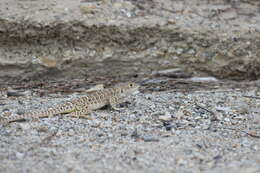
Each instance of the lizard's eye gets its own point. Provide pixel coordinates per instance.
(131, 85)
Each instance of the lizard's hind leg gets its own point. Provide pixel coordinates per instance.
(82, 113)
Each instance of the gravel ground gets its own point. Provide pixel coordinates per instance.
(210, 131)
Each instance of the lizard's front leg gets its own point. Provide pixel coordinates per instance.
(113, 102)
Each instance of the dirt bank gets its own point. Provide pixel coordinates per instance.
(76, 39)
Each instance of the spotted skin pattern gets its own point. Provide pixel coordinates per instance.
(84, 105)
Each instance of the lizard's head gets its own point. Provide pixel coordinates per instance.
(128, 88)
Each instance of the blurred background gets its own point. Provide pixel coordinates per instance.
(122, 40)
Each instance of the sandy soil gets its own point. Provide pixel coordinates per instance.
(201, 130)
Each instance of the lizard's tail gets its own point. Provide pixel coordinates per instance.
(26, 116)
(6, 120)
(64, 108)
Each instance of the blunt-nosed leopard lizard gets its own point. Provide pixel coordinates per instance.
(84, 105)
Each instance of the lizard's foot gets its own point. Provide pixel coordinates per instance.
(3, 122)
(114, 107)
(33, 119)
(79, 114)
(51, 116)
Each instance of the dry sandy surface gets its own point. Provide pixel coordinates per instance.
(213, 130)
(159, 130)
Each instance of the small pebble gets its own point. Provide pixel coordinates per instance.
(19, 155)
(165, 117)
(150, 139)
(23, 126)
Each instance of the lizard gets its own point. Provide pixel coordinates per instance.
(82, 106)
